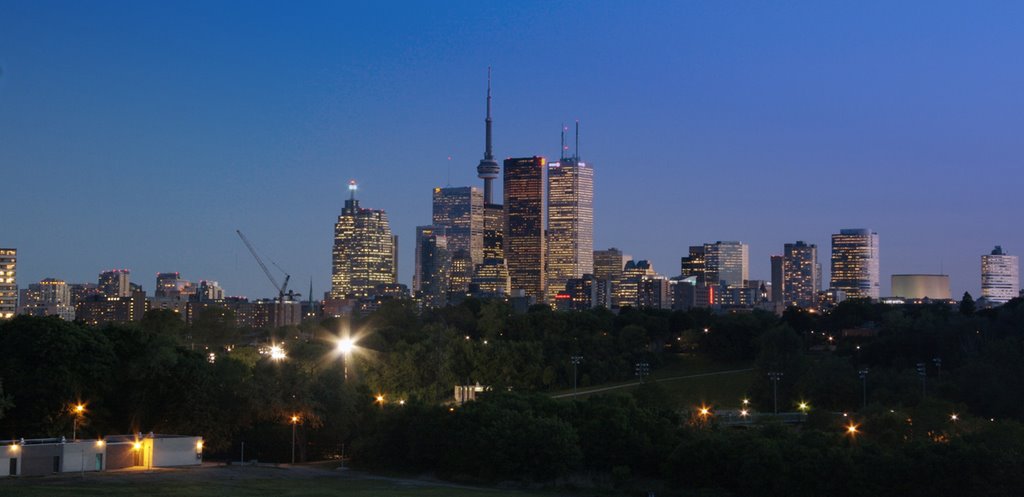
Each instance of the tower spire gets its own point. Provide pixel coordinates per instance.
(577, 140)
(561, 151)
(488, 168)
(488, 155)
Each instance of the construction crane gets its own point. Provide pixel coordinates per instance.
(282, 290)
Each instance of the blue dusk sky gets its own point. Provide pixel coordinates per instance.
(141, 134)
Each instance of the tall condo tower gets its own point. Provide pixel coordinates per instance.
(726, 263)
(364, 254)
(570, 220)
(8, 282)
(1000, 276)
(855, 263)
(524, 224)
(488, 169)
(461, 211)
(800, 274)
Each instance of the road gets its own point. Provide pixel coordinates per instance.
(637, 383)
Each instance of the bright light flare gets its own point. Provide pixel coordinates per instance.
(79, 408)
(744, 413)
(277, 353)
(803, 406)
(954, 417)
(346, 345)
(295, 419)
(136, 445)
(851, 429)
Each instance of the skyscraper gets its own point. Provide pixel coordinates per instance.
(694, 265)
(115, 283)
(524, 225)
(800, 271)
(726, 263)
(855, 263)
(171, 285)
(460, 211)
(1000, 276)
(364, 254)
(608, 266)
(570, 221)
(778, 279)
(629, 288)
(433, 265)
(8, 282)
(49, 297)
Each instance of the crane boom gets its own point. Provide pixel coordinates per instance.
(248, 245)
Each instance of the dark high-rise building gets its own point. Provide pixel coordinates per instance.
(570, 220)
(115, 283)
(433, 265)
(171, 285)
(693, 265)
(365, 253)
(524, 225)
(855, 263)
(801, 277)
(778, 278)
(608, 266)
(725, 263)
(460, 211)
(632, 273)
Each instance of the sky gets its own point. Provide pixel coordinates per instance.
(142, 134)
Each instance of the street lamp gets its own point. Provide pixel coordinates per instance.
(851, 429)
(295, 421)
(277, 353)
(643, 369)
(78, 410)
(576, 360)
(345, 347)
(803, 407)
(953, 417)
(775, 376)
(922, 371)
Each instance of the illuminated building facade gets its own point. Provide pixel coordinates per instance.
(629, 286)
(694, 265)
(461, 212)
(98, 310)
(171, 285)
(49, 297)
(364, 254)
(921, 286)
(8, 282)
(570, 221)
(115, 283)
(608, 265)
(801, 274)
(524, 225)
(433, 265)
(1000, 276)
(726, 263)
(855, 263)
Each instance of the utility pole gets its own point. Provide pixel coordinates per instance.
(576, 360)
(922, 371)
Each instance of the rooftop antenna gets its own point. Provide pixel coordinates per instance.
(562, 152)
(448, 182)
(577, 140)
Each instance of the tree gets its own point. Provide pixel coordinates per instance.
(967, 305)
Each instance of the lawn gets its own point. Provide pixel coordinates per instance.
(230, 482)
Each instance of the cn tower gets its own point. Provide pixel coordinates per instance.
(488, 169)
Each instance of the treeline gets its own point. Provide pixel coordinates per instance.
(632, 444)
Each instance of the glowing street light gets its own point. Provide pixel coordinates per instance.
(295, 422)
(851, 429)
(277, 353)
(345, 347)
(803, 407)
(78, 410)
(954, 417)
(744, 413)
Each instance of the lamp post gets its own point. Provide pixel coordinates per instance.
(774, 376)
(295, 421)
(345, 346)
(576, 360)
(643, 369)
(77, 410)
(864, 383)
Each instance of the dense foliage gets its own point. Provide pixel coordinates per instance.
(216, 380)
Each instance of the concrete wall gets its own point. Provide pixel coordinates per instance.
(39, 459)
(81, 455)
(177, 451)
(7, 453)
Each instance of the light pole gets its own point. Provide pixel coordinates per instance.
(295, 421)
(576, 360)
(345, 346)
(774, 376)
(938, 366)
(864, 383)
(77, 410)
(643, 369)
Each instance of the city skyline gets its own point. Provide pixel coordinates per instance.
(187, 170)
